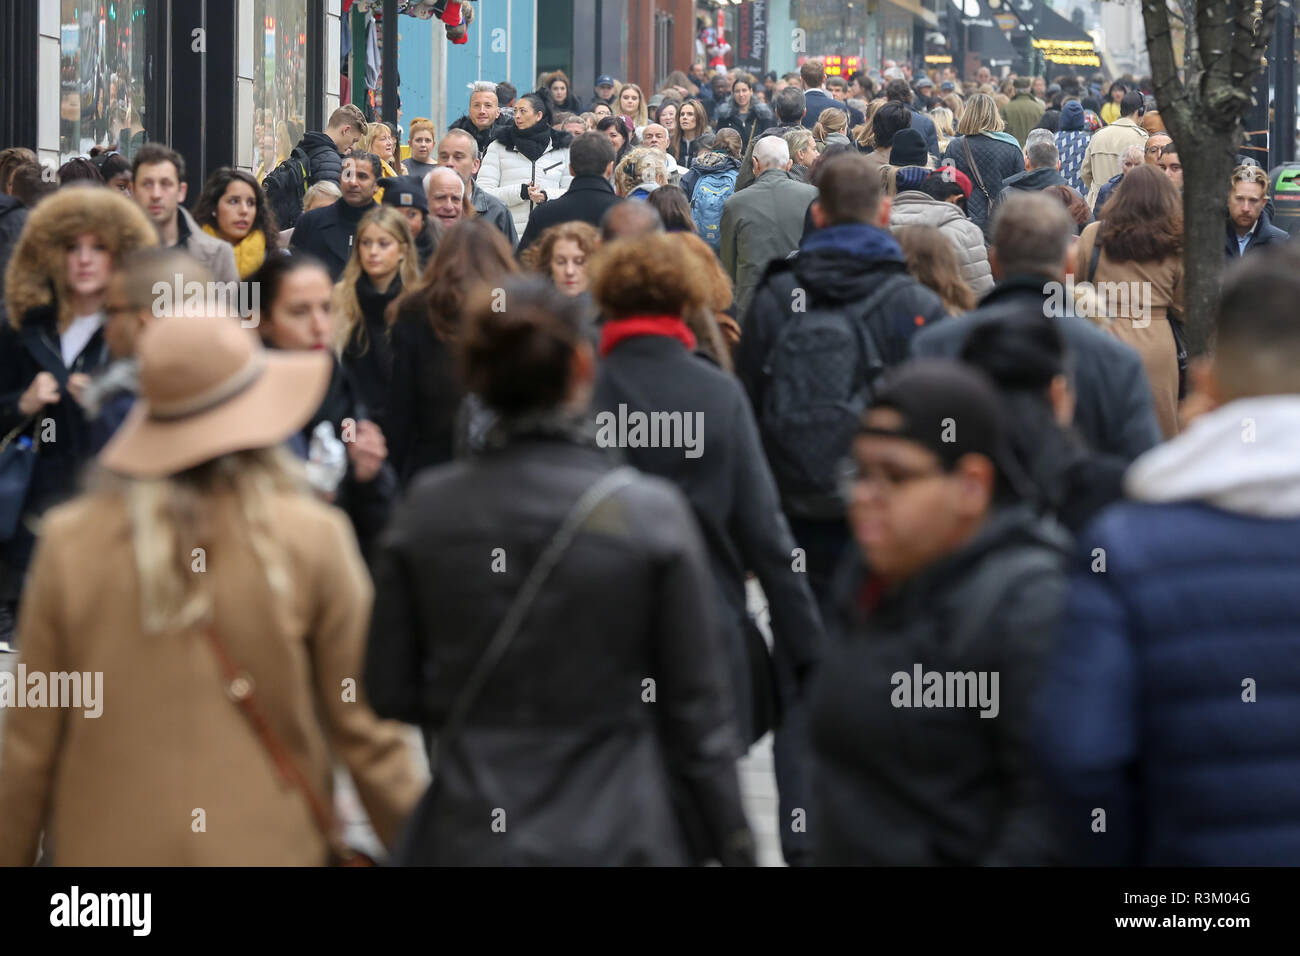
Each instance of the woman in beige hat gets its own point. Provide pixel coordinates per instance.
(226, 610)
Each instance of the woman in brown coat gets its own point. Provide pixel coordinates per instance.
(215, 577)
(1138, 278)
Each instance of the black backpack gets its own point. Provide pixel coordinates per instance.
(820, 377)
(286, 185)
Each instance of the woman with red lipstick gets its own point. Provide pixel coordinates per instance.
(233, 207)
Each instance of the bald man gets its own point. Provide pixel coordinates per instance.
(629, 219)
(448, 196)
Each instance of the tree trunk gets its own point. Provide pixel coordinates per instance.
(1205, 117)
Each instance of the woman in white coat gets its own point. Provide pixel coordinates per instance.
(527, 163)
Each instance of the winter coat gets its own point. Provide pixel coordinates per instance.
(815, 101)
(1150, 708)
(483, 137)
(1032, 180)
(703, 166)
(1148, 331)
(424, 394)
(561, 737)
(325, 162)
(897, 785)
(370, 361)
(915, 208)
(327, 233)
(1114, 411)
(759, 118)
(217, 254)
(1105, 154)
(13, 216)
(760, 224)
(1072, 143)
(122, 789)
(494, 211)
(731, 493)
(1264, 235)
(585, 201)
(1022, 114)
(997, 158)
(505, 170)
(367, 504)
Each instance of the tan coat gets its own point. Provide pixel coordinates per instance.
(1104, 158)
(1161, 286)
(125, 788)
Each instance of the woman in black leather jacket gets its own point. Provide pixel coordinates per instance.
(602, 733)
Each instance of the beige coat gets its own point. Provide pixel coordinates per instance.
(1160, 285)
(127, 788)
(1104, 157)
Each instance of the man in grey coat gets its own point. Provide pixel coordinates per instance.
(764, 222)
(459, 150)
(1031, 246)
(158, 175)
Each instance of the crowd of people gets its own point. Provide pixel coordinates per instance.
(504, 428)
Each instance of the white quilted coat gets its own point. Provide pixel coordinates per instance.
(915, 208)
(505, 170)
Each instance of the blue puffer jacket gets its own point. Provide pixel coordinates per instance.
(1173, 704)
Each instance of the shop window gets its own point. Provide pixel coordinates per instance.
(279, 80)
(101, 74)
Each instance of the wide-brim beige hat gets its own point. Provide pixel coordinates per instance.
(209, 388)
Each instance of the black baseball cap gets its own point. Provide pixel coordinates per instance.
(404, 192)
(952, 410)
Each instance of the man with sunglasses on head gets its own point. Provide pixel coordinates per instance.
(1249, 226)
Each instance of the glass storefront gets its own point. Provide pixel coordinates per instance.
(279, 80)
(101, 96)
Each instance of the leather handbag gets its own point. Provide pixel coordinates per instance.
(17, 461)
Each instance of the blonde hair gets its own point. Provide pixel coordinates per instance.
(943, 120)
(170, 516)
(980, 115)
(347, 308)
(645, 164)
(368, 144)
(642, 110)
(831, 120)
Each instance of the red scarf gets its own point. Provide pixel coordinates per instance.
(611, 333)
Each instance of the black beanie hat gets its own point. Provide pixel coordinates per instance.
(908, 149)
(405, 192)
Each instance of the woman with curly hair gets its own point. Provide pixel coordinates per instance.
(644, 289)
(380, 140)
(1139, 244)
(555, 87)
(561, 254)
(232, 207)
(56, 286)
(641, 172)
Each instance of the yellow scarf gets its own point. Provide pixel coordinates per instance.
(387, 171)
(250, 252)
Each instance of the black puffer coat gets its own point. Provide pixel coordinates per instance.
(900, 785)
(759, 118)
(562, 749)
(326, 162)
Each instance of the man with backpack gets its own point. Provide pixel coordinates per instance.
(820, 328)
(591, 163)
(318, 157)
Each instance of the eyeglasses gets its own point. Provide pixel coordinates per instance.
(888, 478)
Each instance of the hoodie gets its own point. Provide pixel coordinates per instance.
(1072, 143)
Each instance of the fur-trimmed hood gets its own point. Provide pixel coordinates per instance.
(37, 272)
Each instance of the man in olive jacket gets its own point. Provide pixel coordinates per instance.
(1023, 112)
(764, 222)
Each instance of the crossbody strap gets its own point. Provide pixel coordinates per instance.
(974, 168)
(607, 485)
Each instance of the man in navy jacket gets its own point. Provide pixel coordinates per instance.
(816, 99)
(1170, 719)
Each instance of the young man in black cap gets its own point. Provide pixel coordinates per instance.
(947, 621)
(408, 195)
(604, 91)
